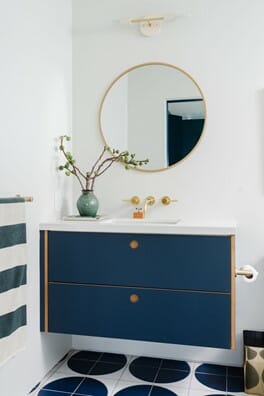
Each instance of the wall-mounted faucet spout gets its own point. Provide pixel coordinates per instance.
(149, 201)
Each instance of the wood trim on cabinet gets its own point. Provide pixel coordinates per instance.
(233, 293)
(46, 280)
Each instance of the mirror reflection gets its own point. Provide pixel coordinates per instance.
(155, 110)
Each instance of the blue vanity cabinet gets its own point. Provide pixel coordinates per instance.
(163, 288)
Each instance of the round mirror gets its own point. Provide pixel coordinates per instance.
(154, 110)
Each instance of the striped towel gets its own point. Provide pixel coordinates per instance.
(13, 272)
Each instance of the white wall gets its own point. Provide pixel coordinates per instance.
(35, 107)
(220, 43)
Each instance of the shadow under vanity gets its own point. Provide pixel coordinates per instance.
(170, 284)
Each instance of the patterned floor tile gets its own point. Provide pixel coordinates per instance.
(144, 373)
(128, 377)
(174, 388)
(66, 384)
(175, 365)
(180, 384)
(241, 394)
(97, 363)
(52, 393)
(108, 369)
(217, 382)
(209, 393)
(81, 366)
(214, 393)
(55, 377)
(113, 358)
(110, 384)
(87, 355)
(103, 365)
(89, 373)
(160, 371)
(79, 386)
(195, 384)
(235, 371)
(147, 361)
(211, 369)
(144, 390)
(91, 386)
(64, 369)
(161, 391)
(135, 390)
(121, 385)
(235, 384)
(168, 376)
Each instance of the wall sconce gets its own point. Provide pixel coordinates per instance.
(149, 25)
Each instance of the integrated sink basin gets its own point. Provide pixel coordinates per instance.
(128, 221)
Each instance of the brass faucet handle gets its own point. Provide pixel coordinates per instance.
(150, 200)
(166, 200)
(135, 200)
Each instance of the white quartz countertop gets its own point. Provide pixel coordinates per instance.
(180, 228)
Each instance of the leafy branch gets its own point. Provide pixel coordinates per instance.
(105, 160)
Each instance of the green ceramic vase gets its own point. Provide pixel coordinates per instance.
(87, 204)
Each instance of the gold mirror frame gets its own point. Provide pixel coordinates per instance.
(151, 64)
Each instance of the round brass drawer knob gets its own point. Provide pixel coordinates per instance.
(133, 244)
(134, 298)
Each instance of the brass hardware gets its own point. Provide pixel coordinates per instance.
(26, 199)
(149, 20)
(153, 23)
(135, 200)
(134, 244)
(146, 19)
(149, 201)
(233, 295)
(134, 298)
(46, 279)
(166, 200)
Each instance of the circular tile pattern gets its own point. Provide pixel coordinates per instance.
(211, 369)
(221, 378)
(96, 363)
(235, 384)
(75, 386)
(212, 381)
(145, 390)
(159, 370)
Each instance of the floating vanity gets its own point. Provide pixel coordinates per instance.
(169, 283)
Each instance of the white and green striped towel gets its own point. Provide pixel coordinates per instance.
(13, 274)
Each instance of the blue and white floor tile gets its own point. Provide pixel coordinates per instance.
(87, 373)
(208, 377)
(145, 389)
(158, 371)
(76, 385)
(107, 366)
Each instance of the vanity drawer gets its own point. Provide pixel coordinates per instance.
(190, 318)
(191, 262)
